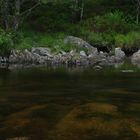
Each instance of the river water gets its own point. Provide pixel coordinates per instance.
(48, 103)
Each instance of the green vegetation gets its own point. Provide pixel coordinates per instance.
(44, 23)
(6, 42)
(132, 39)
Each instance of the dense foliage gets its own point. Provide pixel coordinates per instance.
(46, 22)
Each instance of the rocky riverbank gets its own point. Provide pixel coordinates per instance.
(44, 56)
(85, 55)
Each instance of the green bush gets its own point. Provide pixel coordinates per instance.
(53, 41)
(95, 38)
(109, 37)
(101, 39)
(130, 40)
(116, 22)
(6, 42)
(50, 40)
(25, 43)
(29, 39)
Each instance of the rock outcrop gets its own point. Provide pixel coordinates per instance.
(78, 42)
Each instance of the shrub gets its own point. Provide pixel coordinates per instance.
(28, 40)
(6, 42)
(25, 43)
(95, 38)
(64, 47)
(109, 37)
(120, 40)
(131, 40)
(116, 22)
(50, 40)
(101, 39)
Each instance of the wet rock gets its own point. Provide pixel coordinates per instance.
(93, 59)
(63, 52)
(76, 58)
(97, 67)
(36, 58)
(72, 52)
(33, 57)
(135, 59)
(21, 56)
(4, 59)
(42, 51)
(13, 58)
(93, 50)
(28, 56)
(119, 54)
(104, 62)
(103, 55)
(112, 59)
(83, 54)
(44, 56)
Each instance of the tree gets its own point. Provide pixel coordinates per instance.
(12, 12)
(137, 5)
(78, 10)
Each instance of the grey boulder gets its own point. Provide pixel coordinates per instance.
(80, 43)
(135, 59)
(119, 55)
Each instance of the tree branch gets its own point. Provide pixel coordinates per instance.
(29, 10)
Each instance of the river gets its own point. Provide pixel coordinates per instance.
(48, 103)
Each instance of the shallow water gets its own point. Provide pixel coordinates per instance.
(70, 104)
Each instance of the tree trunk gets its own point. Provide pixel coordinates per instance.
(11, 13)
(78, 10)
(82, 10)
(137, 11)
(137, 15)
(16, 15)
(5, 14)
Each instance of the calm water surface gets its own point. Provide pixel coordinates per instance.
(69, 104)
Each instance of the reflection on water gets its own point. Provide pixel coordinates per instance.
(19, 138)
(69, 104)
